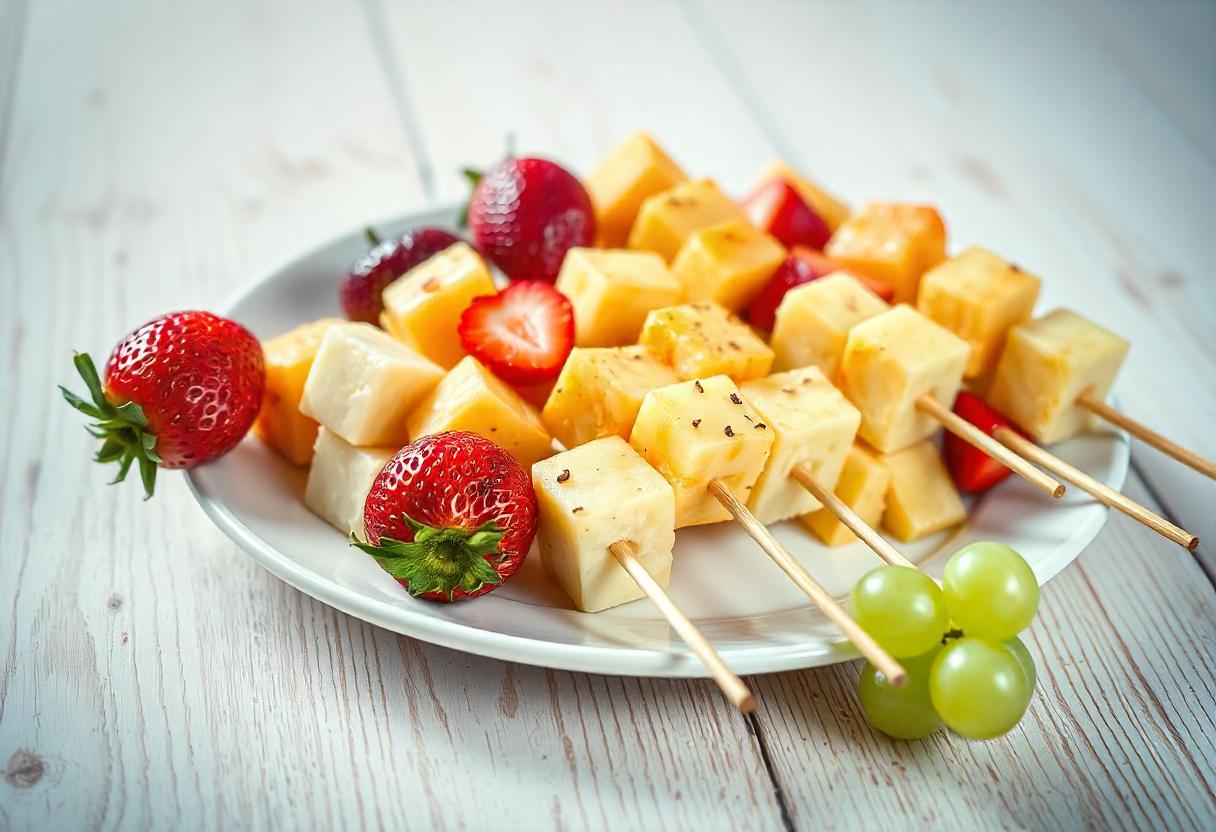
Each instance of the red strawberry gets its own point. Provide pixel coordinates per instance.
(179, 391)
(801, 265)
(526, 214)
(451, 516)
(523, 334)
(386, 261)
(972, 469)
(776, 207)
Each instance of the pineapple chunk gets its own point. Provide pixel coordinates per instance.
(591, 497)
(697, 431)
(893, 242)
(612, 292)
(1047, 363)
(667, 219)
(979, 297)
(921, 498)
(423, 306)
(728, 263)
(288, 359)
(892, 360)
(812, 424)
(830, 209)
(472, 398)
(636, 170)
(339, 479)
(599, 393)
(813, 321)
(704, 339)
(862, 487)
(363, 384)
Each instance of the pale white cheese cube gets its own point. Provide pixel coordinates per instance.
(339, 479)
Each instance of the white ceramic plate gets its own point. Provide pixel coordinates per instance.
(758, 620)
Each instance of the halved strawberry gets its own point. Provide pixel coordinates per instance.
(776, 208)
(523, 334)
(801, 265)
(972, 469)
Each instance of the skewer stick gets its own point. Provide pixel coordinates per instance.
(972, 435)
(1147, 435)
(760, 533)
(1099, 490)
(732, 686)
(803, 475)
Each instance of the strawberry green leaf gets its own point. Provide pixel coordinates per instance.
(439, 560)
(80, 404)
(88, 372)
(147, 474)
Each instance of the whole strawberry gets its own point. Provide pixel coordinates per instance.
(387, 260)
(451, 516)
(526, 214)
(179, 391)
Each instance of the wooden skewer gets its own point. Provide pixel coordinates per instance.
(732, 686)
(806, 478)
(972, 435)
(760, 533)
(1100, 490)
(1147, 435)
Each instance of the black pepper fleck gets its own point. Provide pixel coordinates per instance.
(564, 475)
(576, 509)
(697, 384)
(734, 345)
(696, 423)
(729, 431)
(734, 397)
(787, 390)
(761, 426)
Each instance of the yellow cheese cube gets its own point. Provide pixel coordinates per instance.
(813, 321)
(612, 291)
(893, 242)
(979, 297)
(599, 392)
(591, 497)
(728, 263)
(339, 479)
(829, 208)
(704, 339)
(423, 306)
(667, 219)
(363, 384)
(1047, 363)
(637, 169)
(697, 431)
(288, 359)
(862, 487)
(892, 360)
(813, 425)
(922, 498)
(472, 398)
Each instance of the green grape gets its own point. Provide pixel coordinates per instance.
(902, 608)
(990, 591)
(979, 688)
(1024, 657)
(904, 712)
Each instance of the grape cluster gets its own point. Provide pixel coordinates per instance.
(967, 669)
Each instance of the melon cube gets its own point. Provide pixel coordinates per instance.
(288, 358)
(339, 479)
(812, 424)
(893, 242)
(813, 321)
(697, 431)
(862, 487)
(831, 209)
(363, 384)
(599, 392)
(472, 398)
(591, 497)
(921, 498)
(705, 339)
(727, 263)
(637, 169)
(612, 291)
(667, 219)
(889, 362)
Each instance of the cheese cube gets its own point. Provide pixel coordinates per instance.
(339, 479)
(892, 360)
(921, 498)
(704, 339)
(979, 297)
(472, 398)
(637, 169)
(667, 219)
(612, 291)
(697, 431)
(591, 497)
(813, 321)
(363, 384)
(1049, 362)
(599, 392)
(288, 358)
(813, 425)
(728, 263)
(862, 487)
(830, 209)
(423, 306)
(893, 242)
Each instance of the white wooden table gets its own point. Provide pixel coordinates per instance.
(158, 155)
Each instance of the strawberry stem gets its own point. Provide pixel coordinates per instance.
(439, 559)
(372, 237)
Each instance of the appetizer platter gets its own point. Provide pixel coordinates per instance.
(630, 424)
